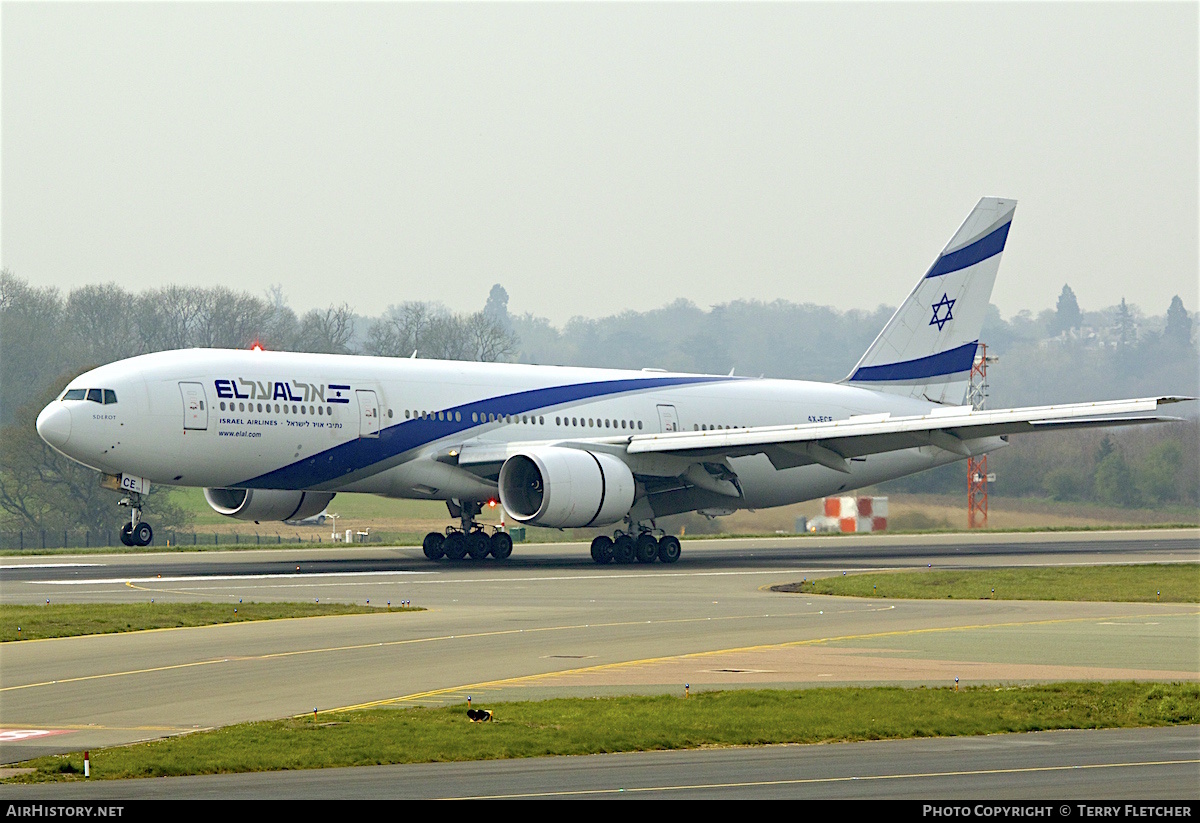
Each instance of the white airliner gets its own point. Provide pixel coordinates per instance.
(274, 435)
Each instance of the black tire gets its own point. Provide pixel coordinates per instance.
(455, 546)
(646, 548)
(127, 534)
(623, 549)
(478, 545)
(432, 545)
(602, 550)
(143, 535)
(501, 545)
(669, 549)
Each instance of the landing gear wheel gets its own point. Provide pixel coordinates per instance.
(142, 534)
(501, 545)
(455, 546)
(623, 550)
(432, 545)
(478, 545)
(127, 534)
(646, 548)
(669, 549)
(602, 550)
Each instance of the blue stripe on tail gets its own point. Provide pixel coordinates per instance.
(952, 361)
(977, 252)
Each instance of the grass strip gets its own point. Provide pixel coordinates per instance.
(1166, 583)
(71, 619)
(623, 724)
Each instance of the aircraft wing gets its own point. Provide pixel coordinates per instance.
(833, 444)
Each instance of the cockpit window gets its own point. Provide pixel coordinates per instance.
(105, 397)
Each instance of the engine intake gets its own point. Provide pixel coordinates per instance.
(566, 488)
(267, 504)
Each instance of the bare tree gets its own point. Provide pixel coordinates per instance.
(99, 324)
(489, 338)
(328, 331)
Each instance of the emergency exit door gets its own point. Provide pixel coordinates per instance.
(368, 413)
(667, 419)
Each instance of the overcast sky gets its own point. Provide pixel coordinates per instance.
(595, 157)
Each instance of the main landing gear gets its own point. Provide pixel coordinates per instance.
(472, 540)
(624, 547)
(135, 532)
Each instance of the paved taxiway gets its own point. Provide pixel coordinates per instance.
(1091, 765)
(550, 622)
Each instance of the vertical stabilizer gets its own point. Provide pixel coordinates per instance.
(927, 348)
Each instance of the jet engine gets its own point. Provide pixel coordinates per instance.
(267, 504)
(565, 488)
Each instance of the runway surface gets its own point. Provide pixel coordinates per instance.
(550, 622)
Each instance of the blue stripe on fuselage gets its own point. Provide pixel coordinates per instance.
(977, 252)
(355, 455)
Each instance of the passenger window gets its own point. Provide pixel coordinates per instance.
(95, 395)
(110, 397)
(75, 394)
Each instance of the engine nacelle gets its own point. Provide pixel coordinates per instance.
(267, 504)
(565, 488)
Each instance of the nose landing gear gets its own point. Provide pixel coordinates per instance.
(135, 532)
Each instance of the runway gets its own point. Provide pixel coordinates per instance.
(550, 622)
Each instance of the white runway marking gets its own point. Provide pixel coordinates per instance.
(48, 565)
(216, 577)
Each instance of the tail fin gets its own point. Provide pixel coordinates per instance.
(927, 348)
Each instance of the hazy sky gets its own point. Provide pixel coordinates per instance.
(594, 157)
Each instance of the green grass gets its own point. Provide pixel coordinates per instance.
(575, 726)
(1167, 583)
(71, 620)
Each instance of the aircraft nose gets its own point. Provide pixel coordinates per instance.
(54, 425)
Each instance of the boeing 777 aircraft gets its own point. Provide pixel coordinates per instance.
(275, 435)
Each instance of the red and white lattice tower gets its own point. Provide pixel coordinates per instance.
(977, 470)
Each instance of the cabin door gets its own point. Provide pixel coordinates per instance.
(368, 413)
(667, 419)
(195, 406)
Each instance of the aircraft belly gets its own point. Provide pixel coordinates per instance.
(764, 487)
(426, 479)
